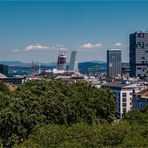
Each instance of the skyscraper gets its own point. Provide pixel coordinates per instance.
(113, 62)
(73, 63)
(139, 54)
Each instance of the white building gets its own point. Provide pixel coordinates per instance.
(123, 91)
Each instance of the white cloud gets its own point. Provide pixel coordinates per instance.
(118, 45)
(59, 48)
(90, 46)
(36, 47)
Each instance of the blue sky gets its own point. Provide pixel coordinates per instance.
(36, 30)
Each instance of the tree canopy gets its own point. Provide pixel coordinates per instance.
(61, 114)
(52, 102)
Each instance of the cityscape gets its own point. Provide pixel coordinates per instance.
(101, 85)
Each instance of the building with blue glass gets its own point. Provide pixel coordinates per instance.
(114, 63)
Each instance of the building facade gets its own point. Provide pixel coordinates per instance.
(140, 100)
(61, 63)
(113, 62)
(124, 91)
(73, 65)
(139, 54)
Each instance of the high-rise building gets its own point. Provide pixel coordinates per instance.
(139, 54)
(73, 63)
(61, 63)
(113, 62)
(4, 69)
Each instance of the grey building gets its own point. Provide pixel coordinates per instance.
(113, 62)
(139, 54)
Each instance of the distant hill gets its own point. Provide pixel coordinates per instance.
(83, 67)
(11, 62)
(95, 61)
(21, 64)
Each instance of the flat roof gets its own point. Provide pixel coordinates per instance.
(120, 85)
(114, 49)
(143, 93)
(115, 84)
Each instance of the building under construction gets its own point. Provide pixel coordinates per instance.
(61, 63)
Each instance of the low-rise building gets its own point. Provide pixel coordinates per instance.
(140, 100)
(123, 91)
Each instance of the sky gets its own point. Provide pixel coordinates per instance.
(36, 30)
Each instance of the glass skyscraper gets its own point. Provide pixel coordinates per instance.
(113, 62)
(73, 65)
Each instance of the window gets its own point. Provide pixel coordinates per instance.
(123, 99)
(139, 35)
(139, 43)
(142, 44)
(123, 94)
(131, 93)
(142, 57)
(142, 35)
(138, 68)
(124, 104)
(124, 109)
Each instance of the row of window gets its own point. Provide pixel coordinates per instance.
(141, 44)
(124, 94)
(140, 35)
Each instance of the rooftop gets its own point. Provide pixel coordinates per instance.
(114, 49)
(123, 84)
(115, 84)
(2, 76)
(141, 31)
(143, 93)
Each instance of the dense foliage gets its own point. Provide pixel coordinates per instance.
(59, 114)
(124, 134)
(77, 135)
(52, 102)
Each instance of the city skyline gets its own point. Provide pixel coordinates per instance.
(36, 30)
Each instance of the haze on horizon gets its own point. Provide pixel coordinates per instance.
(36, 30)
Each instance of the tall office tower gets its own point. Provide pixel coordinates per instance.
(73, 63)
(113, 62)
(139, 54)
(61, 63)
